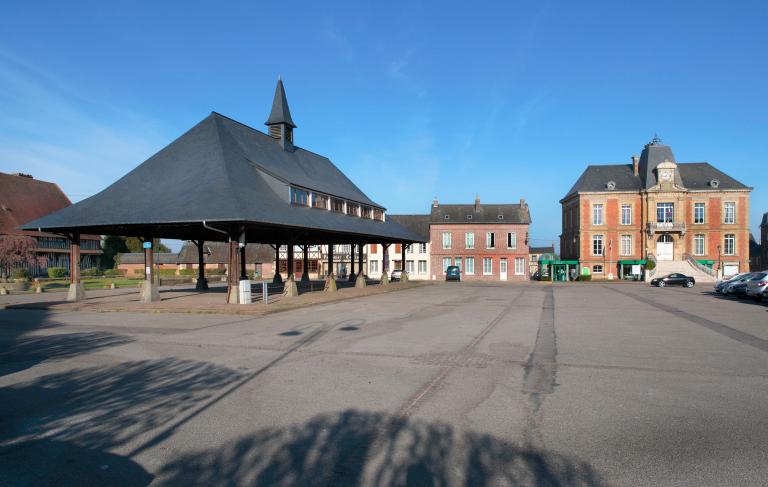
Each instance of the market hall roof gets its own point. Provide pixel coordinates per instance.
(218, 253)
(418, 224)
(226, 173)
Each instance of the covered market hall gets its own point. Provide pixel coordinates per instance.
(225, 181)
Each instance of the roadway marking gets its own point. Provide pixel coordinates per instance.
(724, 330)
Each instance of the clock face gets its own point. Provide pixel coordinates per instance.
(666, 175)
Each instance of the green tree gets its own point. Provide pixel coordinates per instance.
(113, 245)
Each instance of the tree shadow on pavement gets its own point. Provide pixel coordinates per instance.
(361, 448)
(94, 409)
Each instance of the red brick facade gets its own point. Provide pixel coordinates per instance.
(516, 258)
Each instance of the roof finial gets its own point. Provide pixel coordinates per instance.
(656, 140)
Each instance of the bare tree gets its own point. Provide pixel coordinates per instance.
(16, 251)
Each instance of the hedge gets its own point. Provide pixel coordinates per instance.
(57, 272)
(20, 274)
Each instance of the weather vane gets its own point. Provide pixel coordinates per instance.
(656, 139)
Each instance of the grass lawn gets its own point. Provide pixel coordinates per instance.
(92, 283)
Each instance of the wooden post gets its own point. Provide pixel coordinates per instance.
(243, 273)
(352, 263)
(290, 289)
(290, 260)
(330, 260)
(149, 290)
(305, 266)
(385, 264)
(403, 270)
(233, 290)
(277, 279)
(202, 282)
(76, 290)
(360, 281)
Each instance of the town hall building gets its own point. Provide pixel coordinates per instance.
(656, 215)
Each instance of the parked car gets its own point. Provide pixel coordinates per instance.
(674, 280)
(396, 275)
(453, 273)
(737, 287)
(758, 285)
(720, 284)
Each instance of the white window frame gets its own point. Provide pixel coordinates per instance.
(490, 240)
(447, 262)
(409, 266)
(519, 266)
(511, 240)
(469, 264)
(447, 240)
(458, 262)
(373, 267)
(729, 212)
(703, 207)
(422, 267)
(422, 248)
(699, 238)
(626, 245)
(487, 260)
(601, 239)
(628, 214)
(596, 267)
(597, 214)
(732, 238)
(469, 240)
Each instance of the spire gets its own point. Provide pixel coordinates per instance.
(280, 113)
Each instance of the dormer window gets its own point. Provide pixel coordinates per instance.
(319, 201)
(500, 217)
(337, 205)
(366, 211)
(610, 185)
(447, 217)
(714, 183)
(299, 197)
(469, 217)
(353, 209)
(378, 214)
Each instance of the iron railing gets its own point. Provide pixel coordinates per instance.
(699, 266)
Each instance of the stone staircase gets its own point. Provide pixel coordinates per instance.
(664, 267)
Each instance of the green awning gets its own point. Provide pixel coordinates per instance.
(706, 262)
(629, 262)
(559, 262)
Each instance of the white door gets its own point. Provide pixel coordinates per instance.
(503, 269)
(665, 248)
(730, 270)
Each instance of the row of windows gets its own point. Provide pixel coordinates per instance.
(373, 266)
(63, 243)
(490, 240)
(699, 247)
(665, 213)
(467, 265)
(300, 197)
(410, 250)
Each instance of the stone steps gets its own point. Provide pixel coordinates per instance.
(664, 267)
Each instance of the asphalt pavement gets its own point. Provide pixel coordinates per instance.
(449, 384)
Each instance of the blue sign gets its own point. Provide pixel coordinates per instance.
(147, 245)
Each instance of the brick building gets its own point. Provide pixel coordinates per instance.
(685, 217)
(23, 199)
(417, 256)
(488, 242)
(764, 241)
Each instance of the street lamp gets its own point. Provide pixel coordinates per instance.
(719, 262)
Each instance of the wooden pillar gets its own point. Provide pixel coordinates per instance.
(360, 259)
(202, 282)
(149, 261)
(305, 270)
(74, 259)
(243, 273)
(149, 291)
(277, 279)
(330, 260)
(352, 262)
(76, 291)
(402, 258)
(232, 272)
(385, 254)
(290, 260)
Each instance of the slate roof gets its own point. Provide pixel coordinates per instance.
(486, 213)
(694, 175)
(222, 171)
(218, 253)
(280, 112)
(138, 258)
(765, 220)
(23, 199)
(542, 250)
(418, 224)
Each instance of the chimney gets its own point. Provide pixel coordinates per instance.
(434, 202)
(635, 165)
(523, 204)
(477, 203)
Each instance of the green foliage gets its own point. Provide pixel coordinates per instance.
(215, 272)
(57, 272)
(113, 245)
(650, 265)
(20, 273)
(188, 272)
(113, 273)
(92, 272)
(167, 272)
(587, 277)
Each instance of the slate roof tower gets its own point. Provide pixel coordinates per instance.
(280, 122)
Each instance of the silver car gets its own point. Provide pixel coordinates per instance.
(730, 287)
(720, 284)
(758, 285)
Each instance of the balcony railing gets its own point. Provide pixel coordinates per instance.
(654, 227)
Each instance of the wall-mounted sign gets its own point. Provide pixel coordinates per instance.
(147, 245)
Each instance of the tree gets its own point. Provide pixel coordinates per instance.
(113, 245)
(17, 251)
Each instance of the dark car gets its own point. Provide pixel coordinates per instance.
(453, 273)
(674, 280)
(738, 287)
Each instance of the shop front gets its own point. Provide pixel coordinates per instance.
(632, 270)
(558, 270)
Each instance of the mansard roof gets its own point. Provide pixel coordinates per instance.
(694, 176)
(484, 213)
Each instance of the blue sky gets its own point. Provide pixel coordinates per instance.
(411, 100)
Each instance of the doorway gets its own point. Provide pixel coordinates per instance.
(665, 247)
(503, 269)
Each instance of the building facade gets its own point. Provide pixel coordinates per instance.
(536, 253)
(23, 199)
(617, 218)
(417, 256)
(764, 242)
(487, 242)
